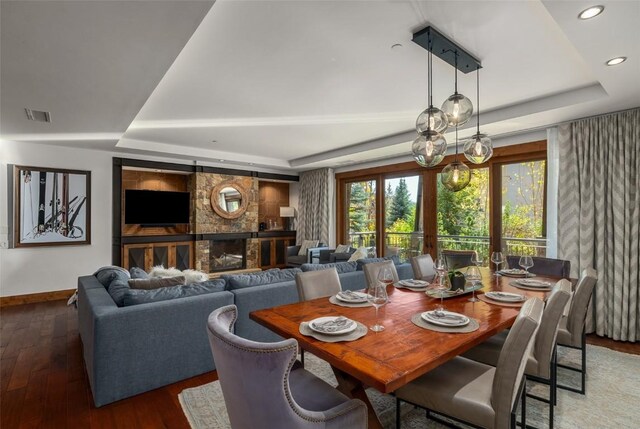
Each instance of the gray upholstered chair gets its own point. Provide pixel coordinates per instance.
(371, 271)
(293, 260)
(544, 266)
(476, 393)
(328, 256)
(423, 268)
(262, 391)
(541, 361)
(571, 332)
(318, 284)
(458, 258)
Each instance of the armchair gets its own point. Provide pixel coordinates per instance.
(294, 260)
(328, 256)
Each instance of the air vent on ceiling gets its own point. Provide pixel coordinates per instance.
(38, 115)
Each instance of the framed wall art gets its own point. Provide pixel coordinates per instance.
(52, 207)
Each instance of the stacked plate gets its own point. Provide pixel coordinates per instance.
(333, 325)
(413, 284)
(445, 318)
(505, 296)
(533, 283)
(514, 272)
(351, 297)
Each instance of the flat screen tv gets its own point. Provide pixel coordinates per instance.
(156, 207)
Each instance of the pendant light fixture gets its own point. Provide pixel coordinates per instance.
(478, 148)
(455, 176)
(430, 146)
(457, 107)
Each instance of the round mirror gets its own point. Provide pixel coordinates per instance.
(229, 200)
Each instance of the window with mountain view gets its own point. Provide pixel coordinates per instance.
(403, 217)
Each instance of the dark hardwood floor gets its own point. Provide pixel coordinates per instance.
(43, 383)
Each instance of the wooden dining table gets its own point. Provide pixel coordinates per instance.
(390, 359)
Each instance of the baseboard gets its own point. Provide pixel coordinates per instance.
(6, 301)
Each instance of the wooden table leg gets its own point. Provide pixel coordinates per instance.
(353, 388)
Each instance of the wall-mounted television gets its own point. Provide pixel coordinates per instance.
(156, 207)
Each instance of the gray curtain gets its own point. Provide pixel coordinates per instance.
(599, 216)
(315, 205)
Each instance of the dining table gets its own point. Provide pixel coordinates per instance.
(403, 351)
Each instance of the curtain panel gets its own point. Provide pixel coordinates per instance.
(599, 216)
(315, 205)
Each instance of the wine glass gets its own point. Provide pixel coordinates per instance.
(476, 259)
(377, 296)
(440, 266)
(385, 276)
(498, 259)
(474, 276)
(526, 262)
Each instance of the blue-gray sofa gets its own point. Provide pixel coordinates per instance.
(133, 349)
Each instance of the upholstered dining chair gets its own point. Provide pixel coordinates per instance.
(423, 268)
(458, 258)
(544, 266)
(261, 391)
(541, 360)
(318, 284)
(371, 271)
(475, 393)
(571, 332)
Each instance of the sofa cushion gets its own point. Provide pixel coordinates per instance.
(360, 253)
(341, 267)
(144, 296)
(240, 281)
(364, 261)
(117, 289)
(343, 248)
(106, 275)
(155, 283)
(138, 273)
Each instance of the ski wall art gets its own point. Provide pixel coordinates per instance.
(52, 207)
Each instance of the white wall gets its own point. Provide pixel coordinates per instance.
(43, 269)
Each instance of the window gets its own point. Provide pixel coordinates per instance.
(403, 220)
(361, 214)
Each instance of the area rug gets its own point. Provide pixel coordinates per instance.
(613, 395)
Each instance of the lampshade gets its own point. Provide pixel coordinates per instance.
(458, 109)
(287, 212)
(432, 118)
(429, 148)
(455, 176)
(478, 149)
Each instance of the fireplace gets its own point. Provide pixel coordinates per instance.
(227, 254)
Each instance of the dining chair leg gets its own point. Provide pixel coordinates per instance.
(302, 357)
(554, 375)
(397, 413)
(582, 370)
(523, 394)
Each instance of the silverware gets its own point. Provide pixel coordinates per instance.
(440, 315)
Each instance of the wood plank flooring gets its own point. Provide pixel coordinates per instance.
(43, 382)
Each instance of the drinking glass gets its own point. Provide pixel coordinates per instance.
(474, 276)
(526, 262)
(476, 259)
(385, 276)
(440, 266)
(377, 296)
(498, 259)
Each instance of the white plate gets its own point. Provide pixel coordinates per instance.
(349, 327)
(505, 296)
(533, 283)
(427, 317)
(362, 297)
(413, 283)
(513, 272)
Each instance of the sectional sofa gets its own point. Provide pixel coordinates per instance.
(133, 349)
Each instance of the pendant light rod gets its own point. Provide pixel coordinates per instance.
(478, 98)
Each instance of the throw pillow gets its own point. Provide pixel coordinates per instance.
(306, 245)
(156, 283)
(162, 272)
(117, 289)
(143, 296)
(138, 273)
(194, 276)
(342, 248)
(358, 254)
(106, 275)
(341, 267)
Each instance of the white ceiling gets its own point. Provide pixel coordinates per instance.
(294, 85)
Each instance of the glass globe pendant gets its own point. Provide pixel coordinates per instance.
(455, 176)
(478, 149)
(457, 107)
(432, 118)
(429, 148)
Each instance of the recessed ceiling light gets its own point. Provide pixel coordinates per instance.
(214, 141)
(221, 160)
(396, 46)
(615, 61)
(251, 163)
(591, 12)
